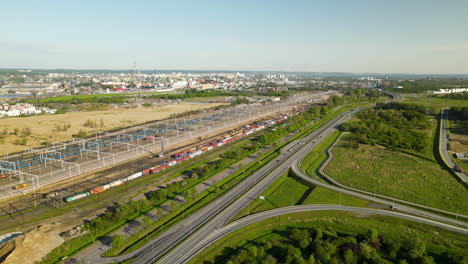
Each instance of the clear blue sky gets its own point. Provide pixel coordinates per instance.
(411, 36)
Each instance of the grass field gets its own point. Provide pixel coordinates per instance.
(314, 159)
(436, 103)
(287, 191)
(437, 240)
(392, 173)
(44, 128)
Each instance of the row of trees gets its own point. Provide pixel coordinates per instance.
(390, 125)
(316, 245)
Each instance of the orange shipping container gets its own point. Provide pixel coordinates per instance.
(97, 190)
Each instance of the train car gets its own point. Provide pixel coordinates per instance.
(146, 171)
(171, 163)
(76, 197)
(164, 166)
(134, 176)
(155, 169)
(3, 176)
(21, 186)
(177, 155)
(106, 186)
(116, 183)
(97, 190)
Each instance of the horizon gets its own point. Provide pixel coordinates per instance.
(420, 37)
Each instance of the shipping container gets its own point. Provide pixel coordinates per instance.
(171, 163)
(76, 197)
(97, 190)
(177, 155)
(116, 183)
(146, 171)
(21, 186)
(156, 169)
(106, 186)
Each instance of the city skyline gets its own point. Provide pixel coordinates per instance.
(421, 37)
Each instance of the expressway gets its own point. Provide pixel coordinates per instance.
(245, 221)
(292, 156)
(207, 220)
(443, 146)
(157, 247)
(243, 193)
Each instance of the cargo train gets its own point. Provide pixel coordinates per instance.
(182, 156)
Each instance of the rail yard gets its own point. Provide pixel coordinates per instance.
(66, 169)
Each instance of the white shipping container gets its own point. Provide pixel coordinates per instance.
(106, 186)
(79, 196)
(138, 174)
(116, 183)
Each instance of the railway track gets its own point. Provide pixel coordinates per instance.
(51, 198)
(36, 168)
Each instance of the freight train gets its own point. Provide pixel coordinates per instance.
(182, 156)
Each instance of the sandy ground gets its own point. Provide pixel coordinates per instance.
(32, 246)
(44, 128)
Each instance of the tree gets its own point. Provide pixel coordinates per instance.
(349, 257)
(416, 248)
(117, 241)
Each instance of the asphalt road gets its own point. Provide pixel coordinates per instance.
(443, 146)
(223, 231)
(160, 245)
(207, 220)
(226, 206)
(299, 150)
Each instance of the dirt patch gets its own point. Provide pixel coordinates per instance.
(45, 129)
(459, 143)
(32, 246)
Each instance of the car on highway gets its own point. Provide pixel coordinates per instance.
(458, 169)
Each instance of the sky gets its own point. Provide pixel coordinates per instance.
(417, 36)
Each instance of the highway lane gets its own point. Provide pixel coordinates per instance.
(292, 153)
(300, 150)
(245, 221)
(443, 146)
(276, 168)
(164, 242)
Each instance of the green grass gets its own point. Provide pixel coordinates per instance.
(288, 190)
(322, 195)
(395, 174)
(437, 240)
(436, 103)
(316, 157)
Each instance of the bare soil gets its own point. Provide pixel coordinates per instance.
(458, 143)
(32, 246)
